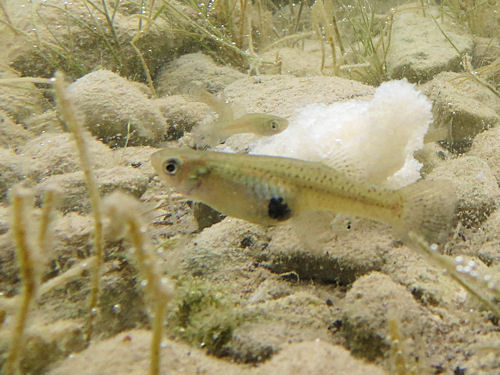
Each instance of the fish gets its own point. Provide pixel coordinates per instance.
(269, 190)
(260, 124)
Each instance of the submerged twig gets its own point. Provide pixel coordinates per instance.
(9, 304)
(21, 199)
(473, 285)
(123, 212)
(68, 115)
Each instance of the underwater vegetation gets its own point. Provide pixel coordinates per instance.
(105, 269)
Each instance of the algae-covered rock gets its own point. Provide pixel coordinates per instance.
(276, 322)
(204, 314)
(52, 154)
(74, 188)
(180, 73)
(373, 300)
(116, 110)
(47, 121)
(181, 113)
(317, 357)
(293, 61)
(47, 343)
(486, 146)
(13, 169)
(476, 188)
(462, 107)
(138, 157)
(282, 95)
(128, 353)
(341, 257)
(20, 100)
(12, 135)
(489, 252)
(419, 50)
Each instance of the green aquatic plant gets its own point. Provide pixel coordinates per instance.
(369, 42)
(80, 36)
(213, 27)
(479, 16)
(204, 314)
(324, 23)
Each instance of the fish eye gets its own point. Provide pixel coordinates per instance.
(171, 166)
(274, 124)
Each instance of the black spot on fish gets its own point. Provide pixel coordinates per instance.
(278, 209)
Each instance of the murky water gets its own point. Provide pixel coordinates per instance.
(386, 92)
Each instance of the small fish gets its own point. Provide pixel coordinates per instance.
(269, 190)
(261, 124)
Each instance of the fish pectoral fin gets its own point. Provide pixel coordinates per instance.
(314, 228)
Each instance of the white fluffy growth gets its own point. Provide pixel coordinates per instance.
(378, 136)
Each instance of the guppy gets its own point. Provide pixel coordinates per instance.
(269, 190)
(260, 124)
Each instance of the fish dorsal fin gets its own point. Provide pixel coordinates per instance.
(345, 161)
(219, 106)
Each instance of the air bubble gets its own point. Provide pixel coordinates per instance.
(117, 308)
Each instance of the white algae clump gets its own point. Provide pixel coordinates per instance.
(378, 137)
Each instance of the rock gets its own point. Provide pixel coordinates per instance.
(297, 317)
(53, 154)
(486, 51)
(486, 147)
(20, 100)
(12, 135)
(72, 241)
(317, 357)
(463, 110)
(373, 300)
(9, 271)
(13, 169)
(116, 111)
(489, 252)
(128, 353)
(431, 156)
(485, 359)
(293, 61)
(222, 246)
(195, 67)
(340, 258)
(182, 113)
(205, 215)
(74, 189)
(47, 121)
(138, 157)
(418, 48)
(476, 187)
(282, 95)
(47, 343)
(4, 219)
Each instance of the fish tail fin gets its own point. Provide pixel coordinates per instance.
(428, 210)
